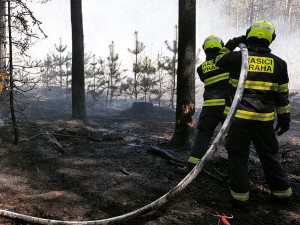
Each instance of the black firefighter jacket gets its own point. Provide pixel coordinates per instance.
(216, 86)
(266, 89)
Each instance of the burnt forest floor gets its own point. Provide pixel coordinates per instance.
(65, 169)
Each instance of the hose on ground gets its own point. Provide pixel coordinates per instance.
(217, 143)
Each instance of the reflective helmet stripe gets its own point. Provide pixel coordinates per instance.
(212, 42)
(213, 39)
(262, 30)
(263, 27)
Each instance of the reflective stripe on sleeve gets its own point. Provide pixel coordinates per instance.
(215, 79)
(283, 109)
(283, 88)
(240, 196)
(283, 194)
(193, 160)
(251, 115)
(214, 102)
(257, 85)
(223, 52)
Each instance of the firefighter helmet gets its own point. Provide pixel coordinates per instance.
(212, 42)
(262, 30)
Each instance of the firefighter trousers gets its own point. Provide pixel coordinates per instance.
(208, 121)
(238, 142)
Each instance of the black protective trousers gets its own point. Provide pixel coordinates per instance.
(238, 142)
(210, 117)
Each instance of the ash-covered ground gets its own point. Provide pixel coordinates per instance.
(68, 170)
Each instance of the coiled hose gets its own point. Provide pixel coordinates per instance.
(179, 187)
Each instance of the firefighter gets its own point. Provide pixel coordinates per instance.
(215, 91)
(266, 91)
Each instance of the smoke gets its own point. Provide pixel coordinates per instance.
(213, 19)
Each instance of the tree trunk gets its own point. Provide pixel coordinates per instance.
(251, 13)
(78, 89)
(11, 81)
(135, 77)
(2, 37)
(185, 108)
(289, 6)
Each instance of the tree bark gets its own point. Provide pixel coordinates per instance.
(78, 87)
(11, 81)
(289, 7)
(2, 37)
(185, 108)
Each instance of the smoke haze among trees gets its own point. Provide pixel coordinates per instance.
(155, 24)
(150, 75)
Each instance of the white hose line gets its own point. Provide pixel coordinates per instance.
(180, 186)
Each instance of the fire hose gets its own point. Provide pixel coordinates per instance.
(217, 143)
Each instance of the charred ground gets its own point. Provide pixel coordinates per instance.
(106, 167)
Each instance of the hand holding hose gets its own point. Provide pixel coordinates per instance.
(234, 42)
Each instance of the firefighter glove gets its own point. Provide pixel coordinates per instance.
(234, 42)
(282, 128)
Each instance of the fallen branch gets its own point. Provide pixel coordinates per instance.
(123, 170)
(289, 150)
(163, 154)
(37, 135)
(53, 141)
(76, 136)
(63, 135)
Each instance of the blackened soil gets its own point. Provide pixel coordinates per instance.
(105, 169)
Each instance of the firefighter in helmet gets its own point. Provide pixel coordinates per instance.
(216, 89)
(266, 92)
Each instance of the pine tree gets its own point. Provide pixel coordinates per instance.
(114, 69)
(139, 47)
(148, 80)
(20, 20)
(161, 78)
(48, 70)
(172, 66)
(61, 60)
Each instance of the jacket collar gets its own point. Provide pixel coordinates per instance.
(211, 54)
(259, 48)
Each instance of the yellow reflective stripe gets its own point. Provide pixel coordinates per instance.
(240, 196)
(217, 78)
(252, 115)
(283, 88)
(257, 85)
(283, 194)
(233, 82)
(223, 52)
(214, 102)
(193, 160)
(283, 109)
